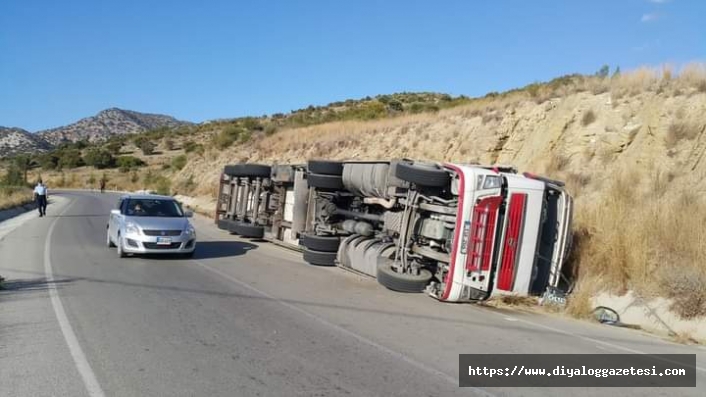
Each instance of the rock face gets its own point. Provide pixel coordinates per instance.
(108, 122)
(16, 140)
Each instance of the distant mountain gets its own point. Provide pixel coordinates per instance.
(16, 140)
(107, 123)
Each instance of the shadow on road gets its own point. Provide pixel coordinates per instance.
(212, 250)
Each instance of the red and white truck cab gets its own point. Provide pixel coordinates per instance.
(511, 237)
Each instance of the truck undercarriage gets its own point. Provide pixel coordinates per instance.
(457, 232)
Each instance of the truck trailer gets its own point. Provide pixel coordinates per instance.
(458, 232)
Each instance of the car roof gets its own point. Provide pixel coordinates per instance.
(147, 197)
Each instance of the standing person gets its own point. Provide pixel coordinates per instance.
(40, 195)
(102, 184)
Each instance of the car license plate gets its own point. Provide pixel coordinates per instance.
(164, 241)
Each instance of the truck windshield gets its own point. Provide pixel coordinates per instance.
(154, 208)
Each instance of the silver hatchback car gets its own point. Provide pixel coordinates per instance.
(150, 224)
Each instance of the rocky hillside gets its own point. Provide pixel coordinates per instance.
(108, 122)
(17, 140)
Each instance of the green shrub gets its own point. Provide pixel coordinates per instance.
(48, 161)
(168, 144)
(179, 162)
(162, 185)
(70, 158)
(271, 129)
(127, 163)
(114, 147)
(99, 158)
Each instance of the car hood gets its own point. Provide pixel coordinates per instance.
(159, 223)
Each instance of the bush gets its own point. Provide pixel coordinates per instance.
(70, 158)
(190, 146)
(162, 185)
(588, 118)
(13, 177)
(147, 147)
(179, 162)
(48, 161)
(678, 131)
(114, 147)
(271, 129)
(168, 144)
(127, 163)
(99, 158)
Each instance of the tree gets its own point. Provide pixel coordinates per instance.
(603, 71)
(616, 73)
(99, 158)
(114, 147)
(147, 147)
(48, 161)
(23, 162)
(70, 158)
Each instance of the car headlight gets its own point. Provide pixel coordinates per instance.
(190, 231)
(131, 228)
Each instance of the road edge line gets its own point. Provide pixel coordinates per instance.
(81, 362)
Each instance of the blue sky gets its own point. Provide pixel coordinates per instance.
(201, 60)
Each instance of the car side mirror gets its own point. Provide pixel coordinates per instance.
(115, 212)
(189, 214)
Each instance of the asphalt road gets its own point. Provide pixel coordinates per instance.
(248, 319)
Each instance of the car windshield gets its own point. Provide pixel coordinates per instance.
(154, 207)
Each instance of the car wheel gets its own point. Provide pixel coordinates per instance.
(422, 174)
(319, 258)
(108, 241)
(248, 230)
(121, 253)
(401, 282)
(325, 167)
(321, 243)
(320, 181)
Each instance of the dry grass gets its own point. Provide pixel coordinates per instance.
(13, 197)
(679, 131)
(633, 234)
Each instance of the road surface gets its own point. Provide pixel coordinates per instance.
(247, 319)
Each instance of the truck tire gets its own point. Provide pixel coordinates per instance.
(249, 230)
(248, 170)
(223, 224)
(321, 243)
(424, 175)
(325, 167)
(401, 282)
(329, 182)
(319, 258)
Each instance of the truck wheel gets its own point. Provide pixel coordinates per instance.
(248, 230)
(321, 243)
(401, 282)
(330, 182)
(325, 167)
(424, 175)
(248, 170)
(319, 258)
(223, 224)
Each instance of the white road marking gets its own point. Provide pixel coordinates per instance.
(359, 338)
(84, 368)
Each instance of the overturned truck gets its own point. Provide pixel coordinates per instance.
(457, 232)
